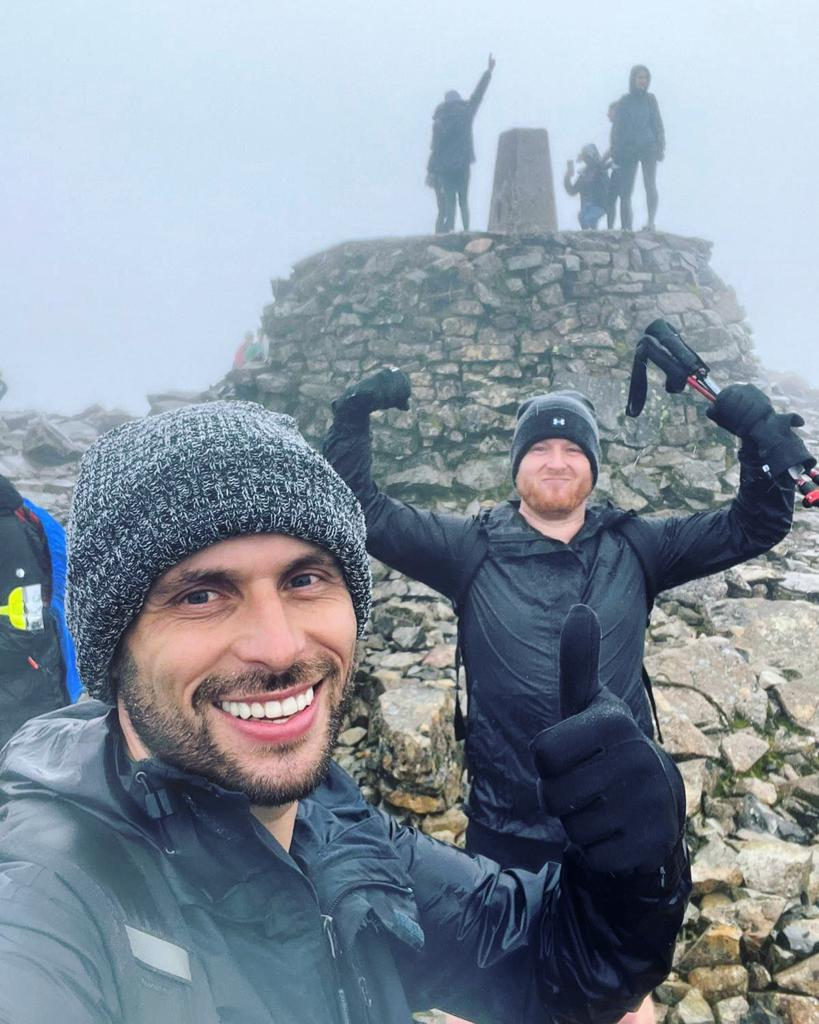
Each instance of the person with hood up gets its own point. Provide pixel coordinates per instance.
(453, 151)
(637, 137)
(591, 183)
(182, 848)
(37, 670)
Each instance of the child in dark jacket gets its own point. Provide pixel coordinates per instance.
(591, 183)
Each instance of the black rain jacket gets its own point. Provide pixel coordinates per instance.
(637, 132)
(452, 147)
(362, 922)
(512, 613)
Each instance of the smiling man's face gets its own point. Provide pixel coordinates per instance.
(239, 665)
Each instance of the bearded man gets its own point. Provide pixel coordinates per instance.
(514, 571)
(182, 849)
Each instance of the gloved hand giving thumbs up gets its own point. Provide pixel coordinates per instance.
(619, 797)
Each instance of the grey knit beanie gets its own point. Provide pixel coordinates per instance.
(567, 414)
(154, 491)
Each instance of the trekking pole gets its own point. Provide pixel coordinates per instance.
(664, 347)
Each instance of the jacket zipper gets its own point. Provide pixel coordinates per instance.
(335, 947)
(335, 954)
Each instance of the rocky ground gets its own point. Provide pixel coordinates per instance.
(731, 657)
(732, 662)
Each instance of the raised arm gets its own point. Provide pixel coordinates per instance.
(572, 187)
(762, 512)
(474, 100)
(424, 545)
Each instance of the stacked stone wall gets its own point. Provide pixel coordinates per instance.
(480, 323)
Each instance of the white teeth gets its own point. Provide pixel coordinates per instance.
(273, 710)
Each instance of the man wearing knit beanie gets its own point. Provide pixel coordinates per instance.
(514, 571)
(182, 848)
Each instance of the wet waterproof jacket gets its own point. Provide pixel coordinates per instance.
(512, 612)
(637, 131)
(452, 146)
(362, 922)
(32, 661)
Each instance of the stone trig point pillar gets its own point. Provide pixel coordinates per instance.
(523, 196)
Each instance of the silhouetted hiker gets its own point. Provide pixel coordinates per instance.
(591, 183)
(638, 137)
(452, 152)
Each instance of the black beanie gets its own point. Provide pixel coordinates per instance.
(566, 414)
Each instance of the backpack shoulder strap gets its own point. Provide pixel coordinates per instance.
(642, 540)
(156, 972)
(474, 560)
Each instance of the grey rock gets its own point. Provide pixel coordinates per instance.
(743, 749)
(802, 937)
(773, 866)
(45, 444)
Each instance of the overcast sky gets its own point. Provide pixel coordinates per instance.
(161, 160)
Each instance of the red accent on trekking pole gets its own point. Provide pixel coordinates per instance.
(810, 496)
(32, 662)
(698, 385)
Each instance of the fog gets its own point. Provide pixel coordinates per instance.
(161, 161)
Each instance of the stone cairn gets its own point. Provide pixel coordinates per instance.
(480, 322)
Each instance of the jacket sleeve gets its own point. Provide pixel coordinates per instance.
(424, 545)
(564, 944)
(659, 128)
(475, 99)
(54, 965)
(694, 546)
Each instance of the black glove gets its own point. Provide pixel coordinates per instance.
(388, 389)
(619, 797)
(767, 436)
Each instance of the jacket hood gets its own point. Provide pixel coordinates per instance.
(632, 77)
(590, 154)
(61, 755)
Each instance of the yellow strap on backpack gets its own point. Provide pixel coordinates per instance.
(25, 608)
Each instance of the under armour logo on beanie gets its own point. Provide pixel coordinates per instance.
(567, 414)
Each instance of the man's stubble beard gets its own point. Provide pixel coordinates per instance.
(187, 743)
